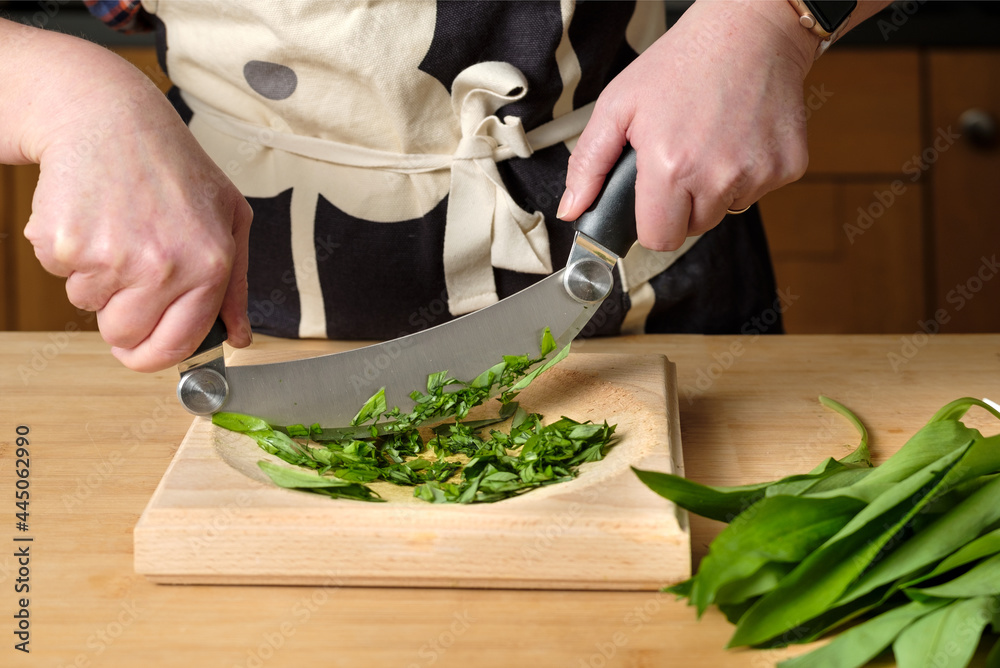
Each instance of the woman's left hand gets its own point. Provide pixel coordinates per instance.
(715, 112)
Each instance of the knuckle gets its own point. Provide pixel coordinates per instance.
(244, 212)
(216, 265)
(105, 256)
(84, 299)
(796, 165)
(580, 162)
(159, 266)
(120, 337)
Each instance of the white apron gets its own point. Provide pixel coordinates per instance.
(329, 99)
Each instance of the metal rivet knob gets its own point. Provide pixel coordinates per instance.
(588, 281)
(979, 127)
(203, 391)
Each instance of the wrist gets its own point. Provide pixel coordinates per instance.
(781, 22)
(61, 89)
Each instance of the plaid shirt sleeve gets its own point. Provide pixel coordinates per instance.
(125, 16)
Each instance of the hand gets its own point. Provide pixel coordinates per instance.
(714, 109)
(148, 232)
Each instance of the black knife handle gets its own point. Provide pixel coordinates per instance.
(610, 220)
(215, 337)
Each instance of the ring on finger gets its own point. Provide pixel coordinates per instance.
(736, 211)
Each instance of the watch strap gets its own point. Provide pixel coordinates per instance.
(808, 21)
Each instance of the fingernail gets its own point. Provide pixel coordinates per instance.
(565, 204)
(249, 333)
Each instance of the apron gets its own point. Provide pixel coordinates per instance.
(403, 158)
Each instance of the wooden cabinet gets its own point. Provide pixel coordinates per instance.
(892, 228)
(893, 224)
(964, 97)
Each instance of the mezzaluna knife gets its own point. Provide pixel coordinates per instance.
(330, 389)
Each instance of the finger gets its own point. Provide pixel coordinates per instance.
(706, 213)
(234, 303)
(180, 330)
(662, 206)
(595, 153)
(131, 314)
(91, 291)
(57, 253)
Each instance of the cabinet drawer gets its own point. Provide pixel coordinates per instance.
(965, 176)
(863, 108)
(855, 265)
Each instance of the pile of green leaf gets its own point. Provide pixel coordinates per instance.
(911, 547)
(468, 466)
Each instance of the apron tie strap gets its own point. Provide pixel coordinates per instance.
(485, 228)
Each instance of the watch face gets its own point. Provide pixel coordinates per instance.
(831, 13)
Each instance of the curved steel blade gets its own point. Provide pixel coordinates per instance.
(330, 389)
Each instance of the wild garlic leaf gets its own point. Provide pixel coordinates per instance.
(740, 594)
(993, 658)
(932, 442)
(929, 516)
(984, 546)
(243, 424)
(958, 526)
(861, 456)
(304, 480)
(982, 580)
(726, 503)
(862, 643)
(827, 572)
(372, 409)
(946, 637)
(778, 529)
(718, 503)
(956, 410)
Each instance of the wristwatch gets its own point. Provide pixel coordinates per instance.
(825, 18)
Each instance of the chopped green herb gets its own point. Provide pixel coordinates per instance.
(468, 465)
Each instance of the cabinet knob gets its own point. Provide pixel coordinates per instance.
(978, 128)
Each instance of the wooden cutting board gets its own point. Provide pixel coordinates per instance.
(215, 517)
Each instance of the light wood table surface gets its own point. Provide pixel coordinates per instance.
(101, 437)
